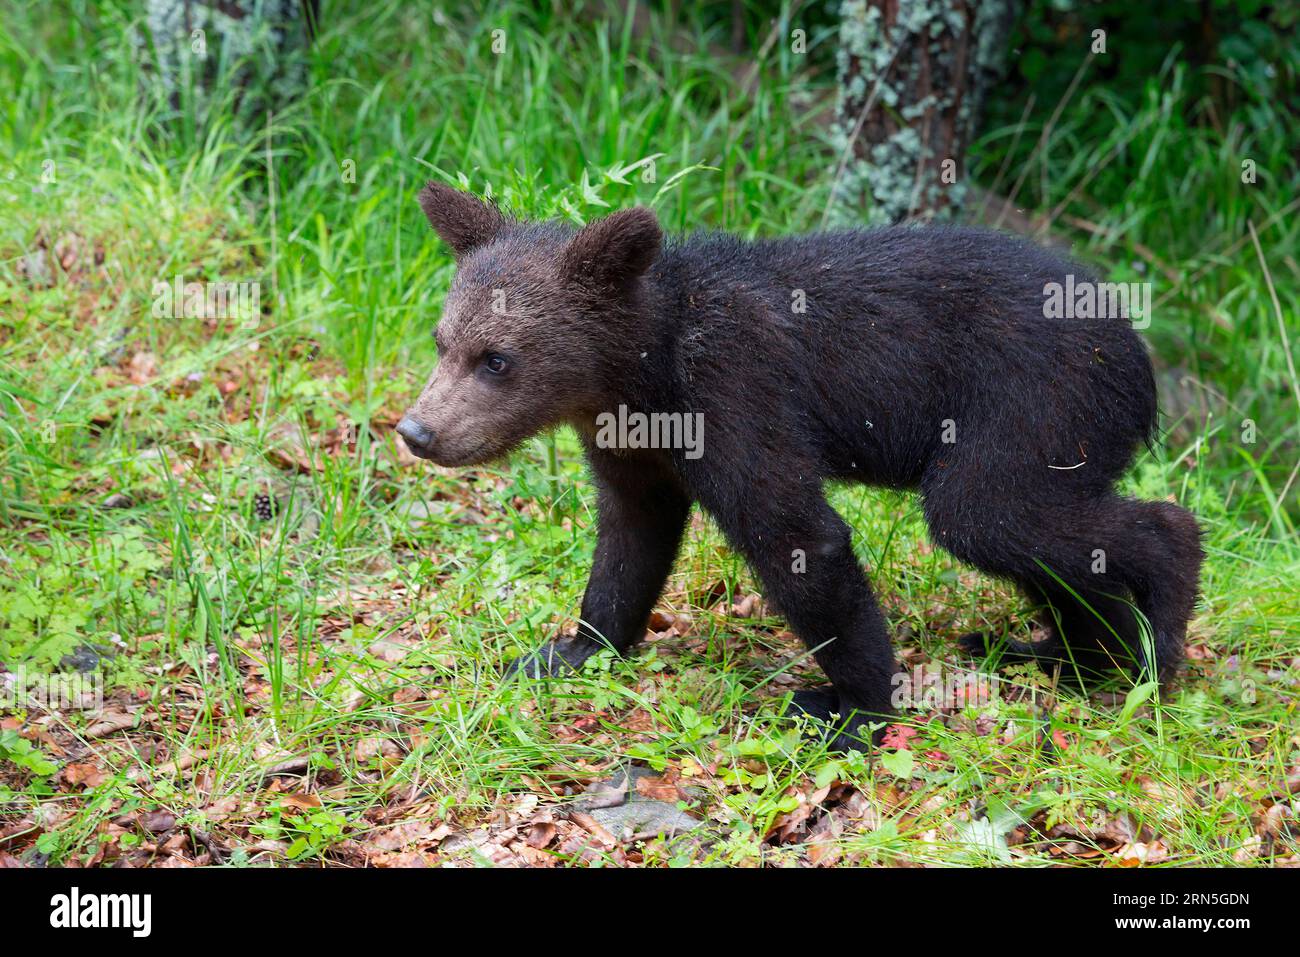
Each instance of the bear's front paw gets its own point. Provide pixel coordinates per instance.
(555, 659)
(819, 703)
(849, 731)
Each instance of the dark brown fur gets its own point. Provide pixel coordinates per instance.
(909, 338)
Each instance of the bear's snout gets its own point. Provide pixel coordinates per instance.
(418, 437)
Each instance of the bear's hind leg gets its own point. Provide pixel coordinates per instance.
(1157, 557)
(1083, 556)
(1088, 633)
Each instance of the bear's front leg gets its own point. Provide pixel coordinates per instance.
(800, 548)
(641, 514)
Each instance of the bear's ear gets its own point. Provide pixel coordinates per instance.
(615, 250)
(463, 221)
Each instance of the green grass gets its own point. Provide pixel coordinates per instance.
(324, 686)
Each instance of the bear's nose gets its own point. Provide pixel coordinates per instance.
(419, 438)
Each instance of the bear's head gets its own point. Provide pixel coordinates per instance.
(536, 329)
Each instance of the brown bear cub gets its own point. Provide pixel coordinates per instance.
(918, 358)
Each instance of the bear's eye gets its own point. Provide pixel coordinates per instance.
(496, 364)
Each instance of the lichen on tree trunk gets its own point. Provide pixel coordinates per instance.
(913, 76)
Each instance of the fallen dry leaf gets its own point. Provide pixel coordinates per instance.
(592, 827)
(897, 736)
(157, 822)
(143, 367)
(304, 802)
(748, 607)
(659, 621)
(388, 650)
(659, 789)
(84, 774)
(110, 722)
(540, 835)
(421, 831)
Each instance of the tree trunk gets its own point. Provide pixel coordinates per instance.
(913, 78)
(244, 54)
